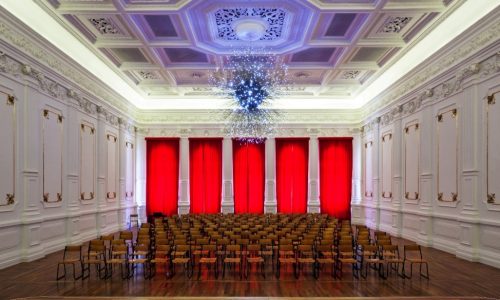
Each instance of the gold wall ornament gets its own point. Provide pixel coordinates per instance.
(454, 197)
(491, 198)
(82, 126)
(440, 196)
(9, 200)
(46, 197)
(454, 113)
(491, 98)
(59, 118)
(111, 195)
(46, 113)
(59, 197)
(440, 118)
(386, 195)
(92, 130)
(368, 194)
(10, 99)
(407, 196)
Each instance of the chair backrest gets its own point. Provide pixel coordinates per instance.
(412, 250)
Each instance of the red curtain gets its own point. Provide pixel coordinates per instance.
(162, 175)
(335, 157)
(292, 161)
(205, 174)
(248, 177)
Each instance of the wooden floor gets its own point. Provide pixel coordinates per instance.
(450, 276)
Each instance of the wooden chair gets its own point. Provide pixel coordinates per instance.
(254, 257)
(286, 256)
(161, 257)
(370, 257)
(233, 257)
(96, 256)
(345, 255)
(305, 256)
(208, 257)
(119, 256)
(324, 257)
(140, 256)
(413, 255)
(182, 256)
(392, 260)
(72, 256)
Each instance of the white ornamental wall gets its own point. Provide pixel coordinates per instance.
(442, 163)
(60, 166)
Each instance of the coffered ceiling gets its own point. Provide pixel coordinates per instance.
(166, 47)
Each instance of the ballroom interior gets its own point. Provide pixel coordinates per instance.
(220, 125)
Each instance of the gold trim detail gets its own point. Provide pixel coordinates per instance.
(82, 196)
(46, 113)
(111, 195)
(370, 194)
(10, 199)
(491, 98)
(407, 196)
(440, 196)
(454, 113)
(10, 99)
(491, 198)
(387, 197)
(46, 197)
(59, 118)
(440, 118)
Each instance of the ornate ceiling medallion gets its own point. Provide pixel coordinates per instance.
(250, 24)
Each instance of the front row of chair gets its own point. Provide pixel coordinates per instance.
(384, 259)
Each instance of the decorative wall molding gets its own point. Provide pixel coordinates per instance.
(193, 117)
(434, 67)
(53, 88)
(57, 62)
(443, 89)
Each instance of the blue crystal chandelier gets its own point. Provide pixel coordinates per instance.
(251, 82)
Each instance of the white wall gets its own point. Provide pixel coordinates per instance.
(434, 150)
(54, 161)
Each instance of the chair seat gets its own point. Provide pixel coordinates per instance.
(373, 260)
(266, 252)
(416, 260)
(160, 260)
(255, 259)
(116, 261)
(70, 261)
(287, 260)
(307, 260)
(118, 253)
(346, 254)
(232, 260)
(368, 253)
(325, 260)
(200, 252)
(179, 253)
(180, 260)
(92, 261)
(388, 254)
(208, 260)
(138, 260)
(394, 260)
(326, 254)
(348, 260)
(289, 252)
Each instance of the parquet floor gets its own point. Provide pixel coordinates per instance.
(450, 277)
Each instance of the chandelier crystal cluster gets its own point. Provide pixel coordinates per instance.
(251, 82)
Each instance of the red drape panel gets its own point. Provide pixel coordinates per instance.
(292, 161)
(162, 175)
(205, 174)
(248, 177)
(335, 156)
